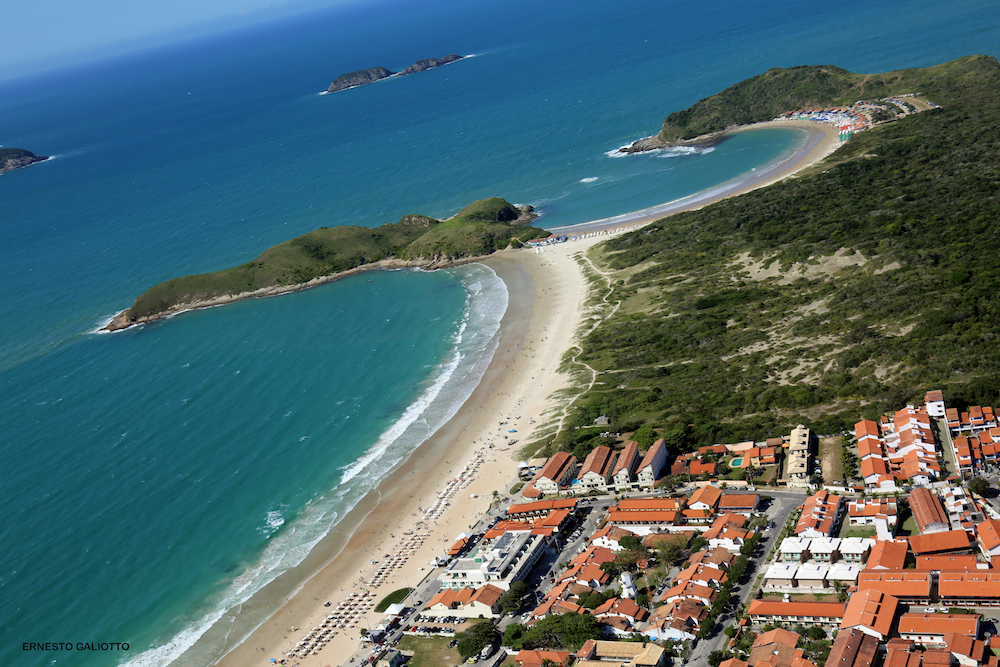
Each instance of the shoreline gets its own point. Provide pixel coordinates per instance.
(546, 300)
(820, 142)
(521, 378)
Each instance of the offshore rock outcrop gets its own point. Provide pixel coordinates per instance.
(15, 158)
(371, 75)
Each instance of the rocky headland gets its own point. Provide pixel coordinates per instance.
(330, 253)
(15, 158)
(372, 74)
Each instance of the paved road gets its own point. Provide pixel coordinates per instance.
(778, 512)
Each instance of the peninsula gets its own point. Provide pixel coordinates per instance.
(373, 74)
(15, 158)
(781, 92)
(329, 253)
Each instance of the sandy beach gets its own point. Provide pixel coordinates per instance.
(404, 518)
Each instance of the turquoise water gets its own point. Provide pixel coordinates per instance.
(154, 476)
(737, 462)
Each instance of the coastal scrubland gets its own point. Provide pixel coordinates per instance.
(817, 300)
(478, 229)
(777, 91)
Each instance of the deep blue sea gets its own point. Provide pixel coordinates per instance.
(151, 478)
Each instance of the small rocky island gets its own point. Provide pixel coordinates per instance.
(15, 158)
(373, 74)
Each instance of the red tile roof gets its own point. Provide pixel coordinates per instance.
(988, 533)
(871, 609)
(939, 624)
(906, 584)
(980, 584)
(814, 609)
(927, 509)
(887, 555)
(707, 494)
(542, 506)
(950, 540)
(629, 454)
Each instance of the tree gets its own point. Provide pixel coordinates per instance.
(978, 485)
(475, 639)
(630, 543)
(645, 436)
(717, 656)
(816, 633)
(513, 635)
(510, 602)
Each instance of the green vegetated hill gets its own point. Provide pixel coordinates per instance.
(777, 91)
(817, 300)
(478, 229)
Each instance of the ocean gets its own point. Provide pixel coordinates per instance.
(156, 476)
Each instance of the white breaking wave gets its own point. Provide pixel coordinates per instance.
(668, 152)
(474, 343)
(589, 179)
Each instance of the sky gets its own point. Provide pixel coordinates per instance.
(45, 34)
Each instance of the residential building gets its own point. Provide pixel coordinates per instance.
(853, 648)
(652, 465)
(856, 549)
(598, 653)
(907, 586)
(872, 612)
(623, 476)
(821, 514)
(595, 473)
(798, 456)
(806, 613)
(509, 558)
(554, 476)
(705, 499)
(928, 512)
(988, 538)
(948, 542)
(930, 629)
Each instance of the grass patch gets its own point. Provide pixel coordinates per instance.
(909, 528)
(392, 598)
(429, 651)
(514, 489)
(857, 531)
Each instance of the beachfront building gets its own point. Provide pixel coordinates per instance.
(528, 512)
(624, 474)
(554, 476)
(595, 473)
(652, 465)
(467, 602)
(509, 558)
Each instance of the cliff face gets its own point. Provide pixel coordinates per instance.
(430, 63)
(366, 76)
(359, 78)
(15, 158)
